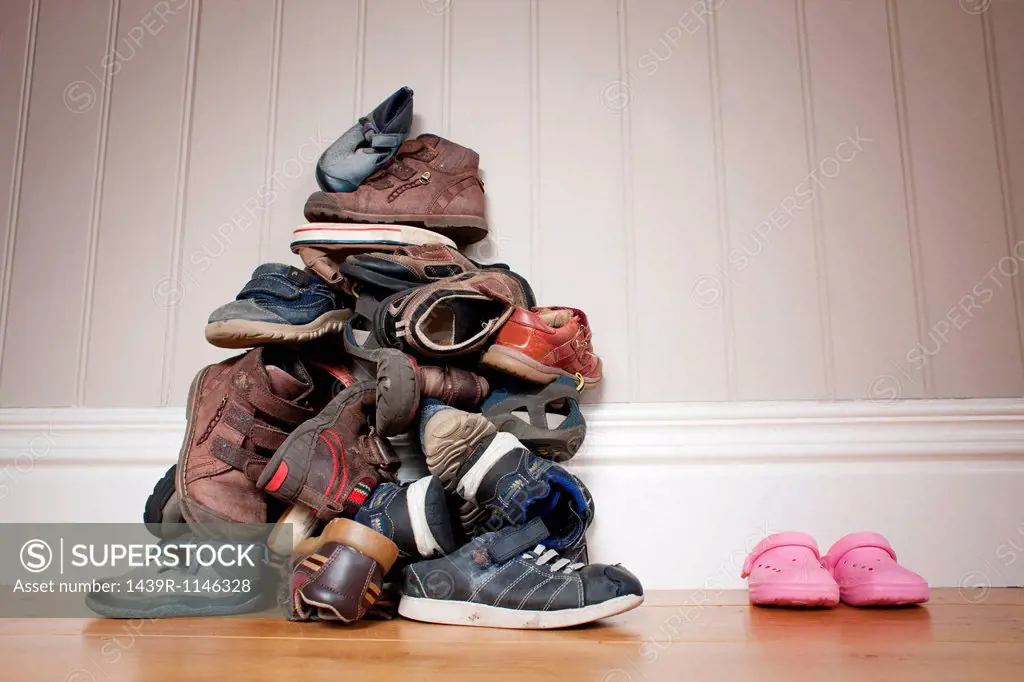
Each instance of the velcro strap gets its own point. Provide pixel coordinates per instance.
(249, 463)
(366, 305)
(518, 541)
(385, 140)
(270, 286)
(266, 437)
(278, 408)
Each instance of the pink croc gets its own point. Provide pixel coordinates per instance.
(864, 565)
(784, 570)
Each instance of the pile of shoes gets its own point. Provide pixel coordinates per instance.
(391, 331)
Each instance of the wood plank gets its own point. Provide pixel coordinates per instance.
(771, 260)
(385, 67)
(936, 643)
(972, 338)
(17, 26)
(312, 108)
(490, 113)
(227, 191)
(62, 145)
(873, 315)
(582, 249)
(674, 204)
(139, 204)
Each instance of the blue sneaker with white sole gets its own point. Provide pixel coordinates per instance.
(279, 304)
(413, 516)
(502, 483)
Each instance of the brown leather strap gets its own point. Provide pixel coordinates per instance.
(246, 461)
(278, 408)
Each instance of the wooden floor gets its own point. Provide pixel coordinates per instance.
(674, 636)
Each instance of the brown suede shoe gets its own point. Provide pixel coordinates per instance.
(332, 462)
(432, 183)
(239, 411)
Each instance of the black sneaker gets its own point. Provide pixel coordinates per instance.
(510, 579)
(502, 482)
(414, 516)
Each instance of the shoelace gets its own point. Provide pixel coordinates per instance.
(543, 555)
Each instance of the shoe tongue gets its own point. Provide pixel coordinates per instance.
(283, 384)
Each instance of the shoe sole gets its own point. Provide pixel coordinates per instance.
(884, 594)
(256, 603)
(795, 594)
(381, 237)
(416, 499)
(524, 367)
(249, 333)
(295, 525)
(398, 392)
(449, 445)
(449, 612)
(463, 229)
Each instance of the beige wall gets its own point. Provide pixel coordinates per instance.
(794, 199)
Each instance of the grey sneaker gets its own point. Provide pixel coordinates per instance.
(510, 579)
(189, 591)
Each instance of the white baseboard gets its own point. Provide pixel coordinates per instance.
(682, 490)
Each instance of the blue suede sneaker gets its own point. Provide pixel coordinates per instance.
(502, 482)
(414, 516)
(280, 304)
(366, 146)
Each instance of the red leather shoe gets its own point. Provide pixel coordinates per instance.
(543, 344)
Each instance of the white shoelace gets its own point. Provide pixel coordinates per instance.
(543, 555)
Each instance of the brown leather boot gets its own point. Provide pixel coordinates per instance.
(402, 384)
(332, 462)
(339, 575)
(432, 183)
(239, 411)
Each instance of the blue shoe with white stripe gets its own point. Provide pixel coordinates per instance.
(414, 516)
(502, 482)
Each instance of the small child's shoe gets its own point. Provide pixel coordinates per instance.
(785, 570)
(864, 565)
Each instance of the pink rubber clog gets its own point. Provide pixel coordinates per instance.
(864, 565)
(785, 570)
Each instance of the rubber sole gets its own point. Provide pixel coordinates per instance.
(522, 366)
(383, 236)
(248, 333)
(295, 525)
(416, 499)
(482, 615)
(463, 229)
(794, 594)
(258, 602)
(449, 442)
(884, 595)
(398, 392)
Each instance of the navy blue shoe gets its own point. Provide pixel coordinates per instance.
(513, 578)
(502, 482)
(366, 146)
(280, 304)
(414, 516)
(546, 418)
